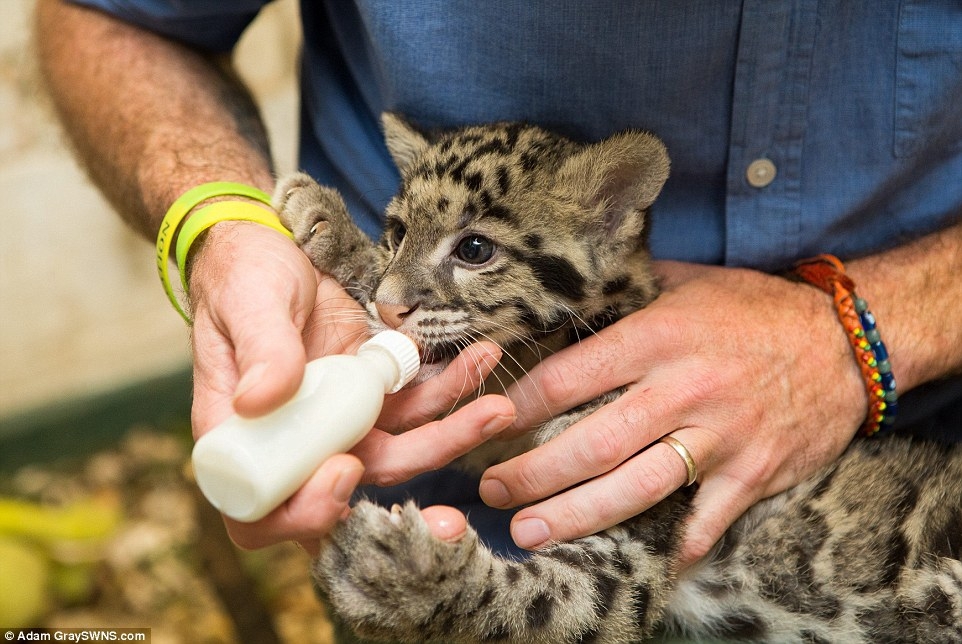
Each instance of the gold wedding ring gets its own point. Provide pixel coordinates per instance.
(676, 445)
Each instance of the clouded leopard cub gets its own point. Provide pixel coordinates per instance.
(514, 234)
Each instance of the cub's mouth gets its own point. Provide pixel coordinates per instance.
(435, 356)
(437, 352)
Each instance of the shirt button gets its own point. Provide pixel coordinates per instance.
(760, 173)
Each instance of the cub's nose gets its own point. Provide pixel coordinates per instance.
(393, 314)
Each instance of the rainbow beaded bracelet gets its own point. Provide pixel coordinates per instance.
(882, 363)
(827, 273)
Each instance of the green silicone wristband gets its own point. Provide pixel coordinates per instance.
(175, 215)
(214, 214)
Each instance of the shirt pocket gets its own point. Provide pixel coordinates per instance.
(928, 77)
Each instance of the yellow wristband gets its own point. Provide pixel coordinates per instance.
(175, 215)
(216, 213)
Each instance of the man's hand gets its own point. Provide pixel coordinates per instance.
(733, 363)
(260, 312)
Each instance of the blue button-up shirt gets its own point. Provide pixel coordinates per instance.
(854, 109)
(795, 127)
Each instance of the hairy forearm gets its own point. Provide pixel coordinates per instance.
(915, 292)
(150, 118)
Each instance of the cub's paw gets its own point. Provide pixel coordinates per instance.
(386, 575)
(318, 218)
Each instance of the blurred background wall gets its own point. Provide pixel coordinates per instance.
(81, 309)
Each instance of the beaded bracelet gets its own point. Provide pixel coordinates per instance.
(827, 273)
(176, 214)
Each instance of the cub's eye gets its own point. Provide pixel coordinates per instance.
(475, 249)
(397, 234)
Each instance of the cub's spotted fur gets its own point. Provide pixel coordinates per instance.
(514, 234)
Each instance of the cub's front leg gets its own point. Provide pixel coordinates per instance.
(323, 228)
(388, 577)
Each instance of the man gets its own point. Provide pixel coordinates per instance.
(795, 128)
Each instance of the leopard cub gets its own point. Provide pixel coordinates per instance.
(514, 234)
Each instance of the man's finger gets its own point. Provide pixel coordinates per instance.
(270, 361)
(592, 367)
(446, 523)
(718, 504)
(395, 459)
(591, 447)
(602, 502)
(311, 512)
(422, 403)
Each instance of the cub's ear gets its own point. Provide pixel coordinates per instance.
(404, 141)
(618, 178)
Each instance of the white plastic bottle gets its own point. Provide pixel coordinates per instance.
(246, 467)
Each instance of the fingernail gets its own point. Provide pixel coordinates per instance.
(496, 425)
(345, 484)
(445, 523)
(488, 362)
(494, 493)
(530, 533)
(251, 378)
